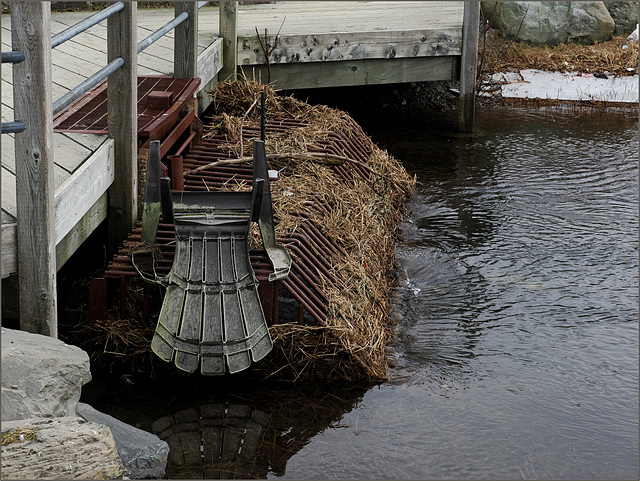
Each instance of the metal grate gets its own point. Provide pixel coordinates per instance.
(310, 249)
(89, 113)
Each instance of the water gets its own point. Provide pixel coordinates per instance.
(517, 342)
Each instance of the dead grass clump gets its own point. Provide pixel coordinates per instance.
(19, 436)
(616, 56)
(237, 106)
(359, 215)
(303, 353)
(119, 342)
(115, 343)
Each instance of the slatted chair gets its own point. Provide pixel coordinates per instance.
(211, 314)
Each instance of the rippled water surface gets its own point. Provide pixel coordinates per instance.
(517, 351)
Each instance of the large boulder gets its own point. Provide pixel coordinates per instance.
(59, 448)
(144, 455)
(42, 377)
(551, 23)
(624, 15)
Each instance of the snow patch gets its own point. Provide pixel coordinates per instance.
(537, 84)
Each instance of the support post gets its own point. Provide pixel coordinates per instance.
(185, 49)
(468, 65)
(32, 104)
(229, 33)
(122, 105)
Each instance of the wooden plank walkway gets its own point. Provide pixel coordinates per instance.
(320, 44)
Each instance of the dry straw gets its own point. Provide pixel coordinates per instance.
(19, 436)
(362, 220)
(618, 56)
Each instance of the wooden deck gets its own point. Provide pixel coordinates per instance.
(320, 44)
(81, 158)
(351, 43)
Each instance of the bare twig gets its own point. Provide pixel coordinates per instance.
(312, 156)
(486, 28)
(242, 124)
(267, 48)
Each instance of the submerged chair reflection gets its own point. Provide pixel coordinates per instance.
(246, 432)
(216, 441)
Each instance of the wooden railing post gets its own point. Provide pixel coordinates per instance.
(185, 49)
(468, 65)
(122, 104)
(229, 33)
(32, 104)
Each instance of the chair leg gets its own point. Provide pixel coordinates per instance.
(278, 255)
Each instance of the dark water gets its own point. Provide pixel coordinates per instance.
(517, 343)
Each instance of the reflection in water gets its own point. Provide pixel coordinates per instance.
(516, 231)
(220, 441)
(232, 428)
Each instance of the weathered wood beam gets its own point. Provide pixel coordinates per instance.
(346, 46)
(209, 64)
(88, 223)
(185, 51)
(122, 98)
(357, 72)
(229, 33)
(82, 189)
(80, 205)
(468, 65)
(32, 104)
(65, 248)
(2, 275)
(9, 247)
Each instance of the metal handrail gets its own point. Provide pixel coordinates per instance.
(147, 41)
(83, 25)
(83, 87)
(143, 44)
(114, 65)
(13, 127)
(12, 57)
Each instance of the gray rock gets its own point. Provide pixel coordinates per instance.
(144, 455)
(625, 16)
(41, 376)
(551, 23)
(60, 448)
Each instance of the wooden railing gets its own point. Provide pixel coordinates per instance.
(468, 65)
(33, 107)
(31, 35)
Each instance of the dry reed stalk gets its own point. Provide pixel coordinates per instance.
(312, 156)
(114, 343)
